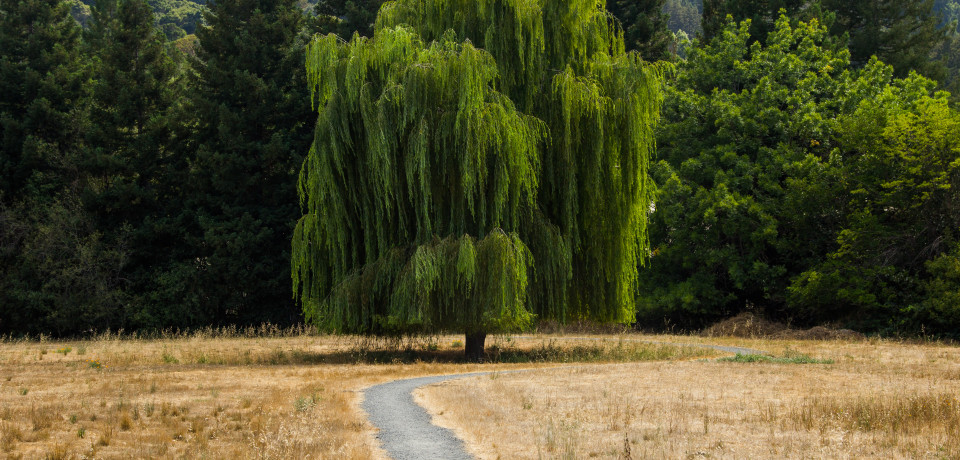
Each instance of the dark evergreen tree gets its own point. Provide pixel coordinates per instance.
(253, 127)
(644, 27)
(900, 33)
(57, 275)
(763, 15)
(948, 52)
(346, 17)
(40, 91)
(129, 167)
(683, 15)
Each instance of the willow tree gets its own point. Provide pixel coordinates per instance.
(476, 164)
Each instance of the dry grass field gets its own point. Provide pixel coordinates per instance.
(234, 394)
(293, 394)
(875, 399)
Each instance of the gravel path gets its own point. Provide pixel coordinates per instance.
(405, 431)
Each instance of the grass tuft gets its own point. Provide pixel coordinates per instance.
(899, 414)
(797, 358)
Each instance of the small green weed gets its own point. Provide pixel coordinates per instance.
(304, 404)
(790, 358)
(24, 391)
(96, 364)
(170, 359)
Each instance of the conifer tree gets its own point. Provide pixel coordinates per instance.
(899, 33)
(40, 90)
(253, 126)
(135, 85)
(763, 15)
(457, 189)
(56, 273)
(644, 26)
(683, 15)
(346, 17)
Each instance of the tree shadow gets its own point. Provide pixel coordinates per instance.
(546, 352)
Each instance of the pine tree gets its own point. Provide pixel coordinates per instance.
(900, 33)
(644, 26)
(40, 89)
(948, 52)
(763, 15)
(253, 127)
(134, 84)
(346, 17)
(57, 275)
(128, 162)
(453, 188)
(683, 15)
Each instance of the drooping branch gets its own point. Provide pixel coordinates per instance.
(461, 121)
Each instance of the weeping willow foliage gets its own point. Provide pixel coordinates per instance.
(476, 163)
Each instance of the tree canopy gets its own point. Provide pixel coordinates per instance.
(793, 183)
(644, 25)
(762, 14)
(251, 127)
(453, 188)
(346, 17)
(901, 34)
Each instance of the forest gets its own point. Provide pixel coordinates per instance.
(171, 164)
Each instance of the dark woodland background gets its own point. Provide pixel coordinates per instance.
(808, 165)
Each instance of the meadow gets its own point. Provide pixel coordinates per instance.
(809, 399)
(268, 393)
(254, 393)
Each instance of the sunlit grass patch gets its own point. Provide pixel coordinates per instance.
(612, 351)
(887, 400)
(891, 413)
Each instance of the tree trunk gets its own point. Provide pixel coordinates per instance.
(473, 351)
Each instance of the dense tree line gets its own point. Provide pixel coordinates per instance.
(795, 182)
(807, 165)
(141, 187)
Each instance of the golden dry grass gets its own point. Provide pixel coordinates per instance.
(880, 399)
(236, 395)
(297, 395)
(190, 397)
